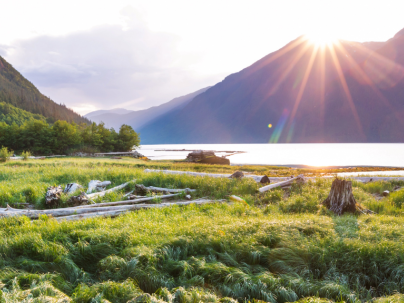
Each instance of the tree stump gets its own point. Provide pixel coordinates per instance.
(341, 199)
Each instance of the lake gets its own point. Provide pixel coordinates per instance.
(292, 154)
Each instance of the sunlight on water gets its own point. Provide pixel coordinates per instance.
(292, 154)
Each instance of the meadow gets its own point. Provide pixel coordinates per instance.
(281, 246)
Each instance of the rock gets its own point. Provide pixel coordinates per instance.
(71, 188)
(53, 195)
(141, 189)
(238, 174)
(265, 180)
(206, 156)
(78, 200)
(386, 193)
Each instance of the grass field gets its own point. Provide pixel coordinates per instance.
(279, 247)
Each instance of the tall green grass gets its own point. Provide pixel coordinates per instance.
(279, 247)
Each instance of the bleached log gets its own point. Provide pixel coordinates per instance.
(9, 208)
(127, 202)
(101, 194)
(92, 215)
(170, 190)
(117, 212)
(279, 184)
(61, 212)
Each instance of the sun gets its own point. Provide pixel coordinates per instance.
(322, 37)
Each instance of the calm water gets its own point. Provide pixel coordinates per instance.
(293, 154)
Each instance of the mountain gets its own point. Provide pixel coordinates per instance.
(136, 119)
(302, 93)
(119, 111)
(19, 92)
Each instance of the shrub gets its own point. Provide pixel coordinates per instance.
(25, 155)
(5, 154)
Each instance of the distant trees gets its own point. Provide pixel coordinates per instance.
(41, 138)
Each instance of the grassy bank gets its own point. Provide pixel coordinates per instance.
(281, 247)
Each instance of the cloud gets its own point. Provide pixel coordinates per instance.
(108, 66)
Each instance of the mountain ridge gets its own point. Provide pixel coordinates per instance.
(341, 99)
(21, 93)
(137, 119)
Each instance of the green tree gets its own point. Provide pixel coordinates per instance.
(65, 136)
(127, 138)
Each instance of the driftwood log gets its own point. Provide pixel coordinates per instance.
(80, 213)
(341, 199)
(170, 190)
(281, 184)
(101, 194)
(127, 202)
(113, 213)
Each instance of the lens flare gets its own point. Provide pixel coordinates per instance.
(269, 125)
(279, 127)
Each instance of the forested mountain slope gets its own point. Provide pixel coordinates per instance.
(19, 92)
(302, 93)
(10, 114)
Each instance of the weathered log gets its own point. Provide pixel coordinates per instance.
(170, 190)
(53, 195)
(101, 194)
(10, 209)
(60, 212)
(63, 212)
(128, 202)
(116, 212)
(280, 184)
(341, 199)
(105, 214)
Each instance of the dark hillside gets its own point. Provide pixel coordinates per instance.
(19, 92)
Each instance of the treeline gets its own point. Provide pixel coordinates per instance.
(19, 92)
(41, 138)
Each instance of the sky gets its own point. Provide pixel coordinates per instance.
(93, 55)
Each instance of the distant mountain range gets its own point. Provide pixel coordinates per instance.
(137, 119)
(19, 93)
(302, 93)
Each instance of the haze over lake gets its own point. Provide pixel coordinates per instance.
(292, 154)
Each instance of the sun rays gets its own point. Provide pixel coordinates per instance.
(328, 60)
